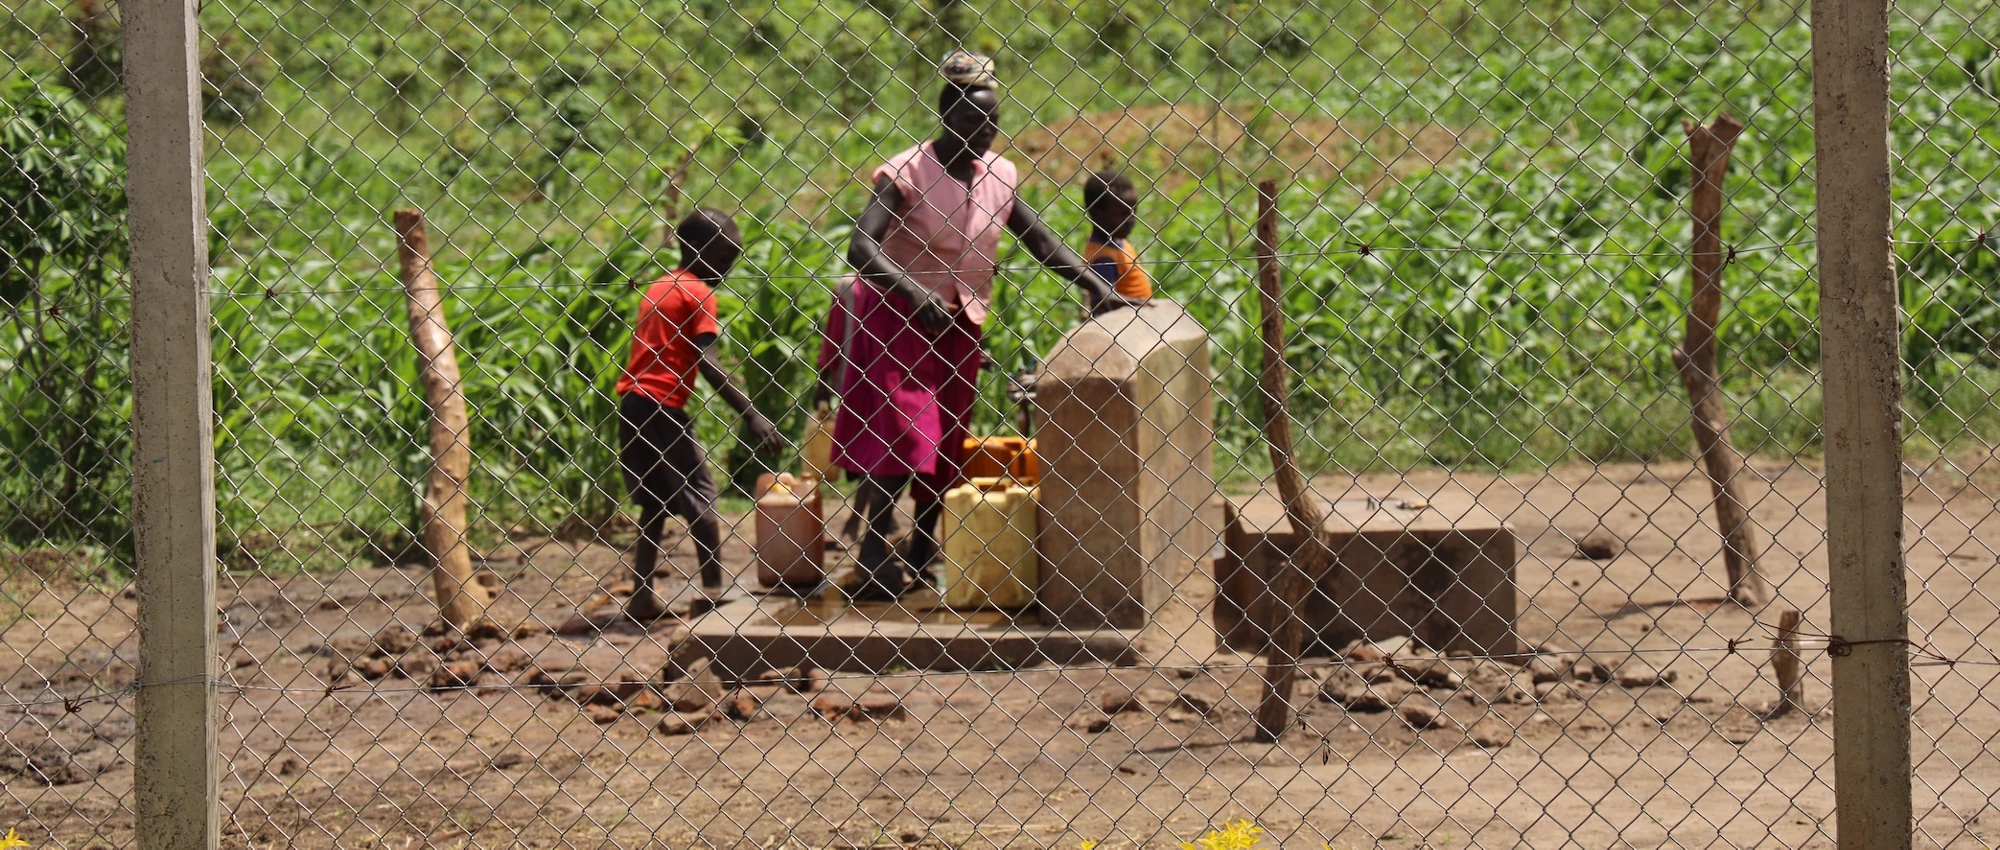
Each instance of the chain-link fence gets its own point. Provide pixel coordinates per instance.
(649, 424)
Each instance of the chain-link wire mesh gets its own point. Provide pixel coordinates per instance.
(1529, 633)
(65, 546)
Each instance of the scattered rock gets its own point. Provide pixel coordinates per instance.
(1392, 647)
(374, 668)
(455, 674)
(615, 690)
(1430, 671)
(529, 629)
(508, 659)
(1556, 692)
(1420, 715)
(1551, 668)
(1119, 701)
(880, 705)
(1586, 670)
(602, 714)
(1195, 703)
(875, 704)
(832, 708)
(509, 759)
(742, 704)
(44, 762)
(416, 666)
(1599, 545)
(1491, 732)
(484, 629)
(589, 624)
(1340, 686)
(1519, 691)
(1378, 697)
(594, 673)
(804, 681)
(647, 699)
(394, 640)
(1635, 673)
(1177, 714)
(1376, 671)
(1089, 718)
(684, 723)
(694, 687)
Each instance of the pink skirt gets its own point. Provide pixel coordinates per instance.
(906, 398)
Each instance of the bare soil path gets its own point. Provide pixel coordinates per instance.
(509, 752)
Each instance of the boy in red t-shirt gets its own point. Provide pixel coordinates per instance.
(665, 469)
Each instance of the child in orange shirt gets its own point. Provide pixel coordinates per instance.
(666, 470)
(1113, 206)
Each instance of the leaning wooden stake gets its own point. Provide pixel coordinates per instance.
(1791, 671)
(1302, 509)
(461, 600)
(1709, 151)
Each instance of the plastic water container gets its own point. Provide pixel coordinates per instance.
(999, 457)
(791, 531)
(988, 531)
(818, 443)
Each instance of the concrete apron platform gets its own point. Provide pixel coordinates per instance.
(749, 636)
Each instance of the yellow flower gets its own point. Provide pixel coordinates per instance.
(1237, 835)
(1087, 845)
(11, 840)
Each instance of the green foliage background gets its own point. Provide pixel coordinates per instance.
(1514, 306)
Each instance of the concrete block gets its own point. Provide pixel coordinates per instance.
(1442, 573)
(745, 639)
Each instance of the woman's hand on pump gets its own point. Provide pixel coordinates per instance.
(1114, 301)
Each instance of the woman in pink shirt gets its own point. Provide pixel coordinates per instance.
(925, 250)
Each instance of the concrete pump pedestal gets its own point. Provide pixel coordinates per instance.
(1126, 434)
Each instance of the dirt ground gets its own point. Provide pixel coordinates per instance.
(319, 755)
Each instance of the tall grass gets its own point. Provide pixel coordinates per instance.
(1508, 302)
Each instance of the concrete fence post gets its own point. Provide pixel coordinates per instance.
(173, 485)
(1861, 369)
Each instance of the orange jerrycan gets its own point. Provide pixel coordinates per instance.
(1000, 457)
(791, 534)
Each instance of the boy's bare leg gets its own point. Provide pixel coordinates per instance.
(645, 603)
(707, 533)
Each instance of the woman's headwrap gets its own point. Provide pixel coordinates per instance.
(965, 68)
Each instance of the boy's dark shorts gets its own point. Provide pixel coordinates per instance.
(664, 464)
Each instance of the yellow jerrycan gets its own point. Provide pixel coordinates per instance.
(988, 531)
(818, 444)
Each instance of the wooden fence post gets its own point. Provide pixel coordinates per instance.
(1790, 669)
(461, 600)
(1708, 152)
(1861, 369)
(177, 766)
(1302, 509)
